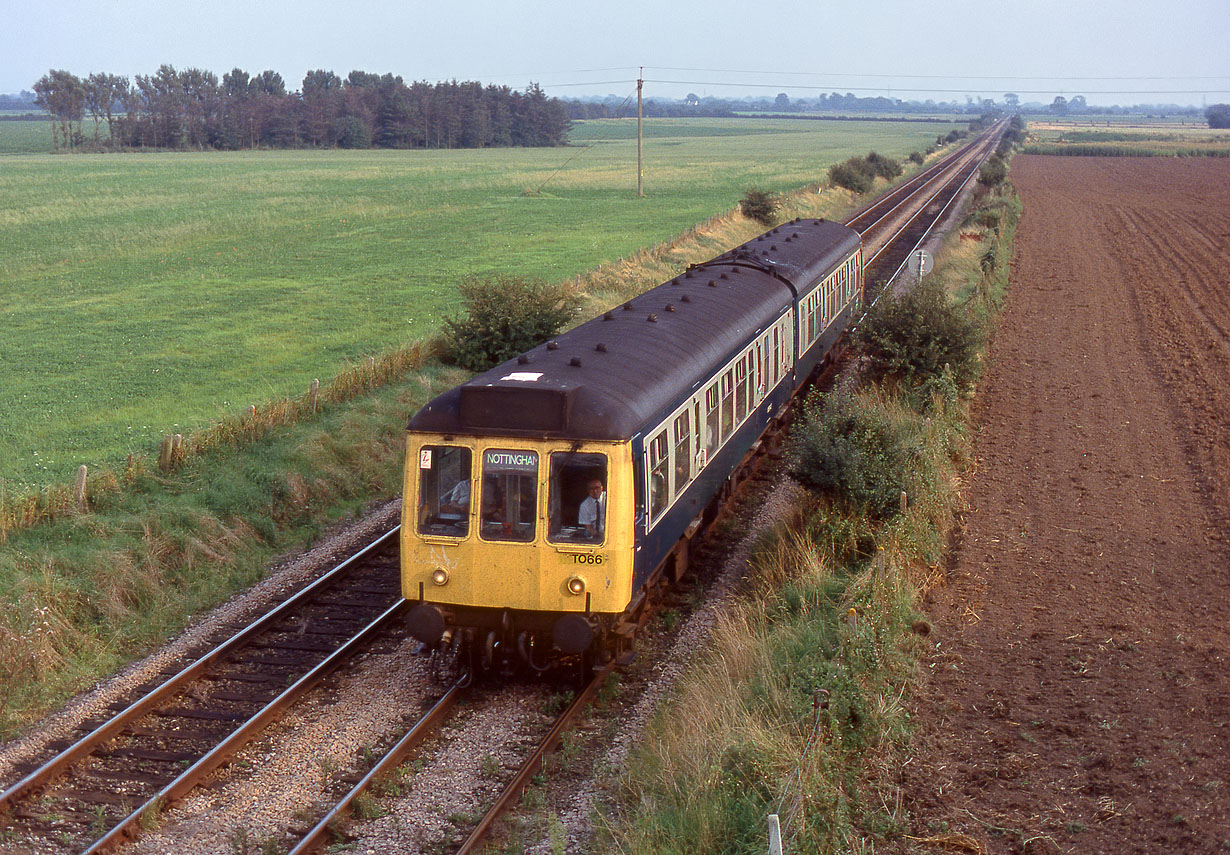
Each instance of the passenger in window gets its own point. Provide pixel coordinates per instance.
(592, 514)
(457, 500)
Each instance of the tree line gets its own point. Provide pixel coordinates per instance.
(193, 109)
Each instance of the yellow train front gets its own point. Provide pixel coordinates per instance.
(543, 496)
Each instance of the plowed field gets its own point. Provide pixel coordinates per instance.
(1078, 699)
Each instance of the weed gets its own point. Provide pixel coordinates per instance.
(556, 834)
(532, 798)
(488, 766)
(557, 702)
(609, 690)
(367, 806)
(240, 841)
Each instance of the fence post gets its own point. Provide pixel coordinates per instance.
(313, 392)
(904, 501)
(164, 454)
(79, 490)
(775, 835)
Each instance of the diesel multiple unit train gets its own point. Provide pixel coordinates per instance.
(545, 496)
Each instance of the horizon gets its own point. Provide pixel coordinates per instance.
(1137, 54)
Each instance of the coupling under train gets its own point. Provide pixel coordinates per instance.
(547, 496)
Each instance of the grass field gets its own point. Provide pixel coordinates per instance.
(153, 293)
(19, 136)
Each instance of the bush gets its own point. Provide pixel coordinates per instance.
(1218, 115)
(759, 205)
(916, 157)
(504, 316)
(845, 446)
(993, 172)
(885, 167)
(911, 337)
(853, 175)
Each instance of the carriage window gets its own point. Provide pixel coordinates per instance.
(711, 421)
(577, 496)
(444, 490)
(740, 391)
(683, 451)
(510, 495)
(728, 403)
(659, 489)
(777, 356)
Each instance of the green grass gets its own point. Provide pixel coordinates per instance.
(147, 294)
(25, 137)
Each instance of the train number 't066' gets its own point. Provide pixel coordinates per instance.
(584, 558)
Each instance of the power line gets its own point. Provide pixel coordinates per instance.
(931, 76)
(940, 90)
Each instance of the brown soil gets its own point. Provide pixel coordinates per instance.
(1078, 698)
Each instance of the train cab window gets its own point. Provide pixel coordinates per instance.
(444, 490)
(683, 451)
(659, 471)
(577, 498)
(510, 495)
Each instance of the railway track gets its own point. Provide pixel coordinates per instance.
(99, 788)
(122, 771)
(897, 223)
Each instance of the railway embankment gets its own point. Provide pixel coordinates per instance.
(800, 706)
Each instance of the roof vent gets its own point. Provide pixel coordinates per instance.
(524, 359)
(685, 299)
(653, 319)
(675, 281)
(773, 248)
(723, 276)
(628, 306)
(712, 283)
(608, 317)
(600, 347)
(553, 345)
(670, 308)
(575, 362)
(687, 274)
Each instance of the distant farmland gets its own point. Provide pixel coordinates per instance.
(153, 293)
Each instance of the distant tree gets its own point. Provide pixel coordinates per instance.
(62, 95)
(102, 93)
(781, 102)
(322, 100)
(1012, 100)
(268, 83)
(1059, 106)
(692, 99)
(1077, 104)
(1218, 115)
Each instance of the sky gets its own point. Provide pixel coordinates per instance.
(1110, 51)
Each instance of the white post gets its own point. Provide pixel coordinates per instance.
(775, 835)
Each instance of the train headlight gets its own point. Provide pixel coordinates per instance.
(576, 585)
(440, 576)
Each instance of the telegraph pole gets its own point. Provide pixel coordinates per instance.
(640, 160)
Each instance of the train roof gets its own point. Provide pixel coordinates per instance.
(613, 376)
